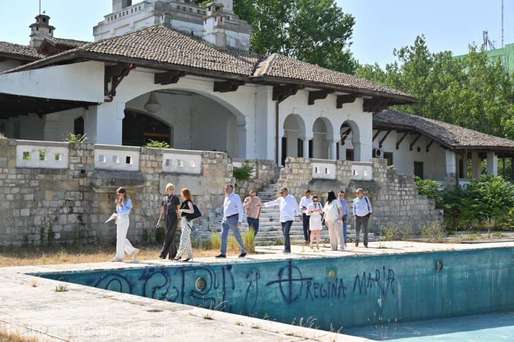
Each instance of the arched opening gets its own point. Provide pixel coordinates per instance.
(186, 120)
(139, 128)
(293, 141)
(322, 138)
(78, 126)
(349, 147)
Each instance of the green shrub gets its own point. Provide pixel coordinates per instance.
(243, 173)
(157, 144)
(395, 233)
(434, 232)
(430, 189)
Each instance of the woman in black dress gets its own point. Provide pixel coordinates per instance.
(169, 209)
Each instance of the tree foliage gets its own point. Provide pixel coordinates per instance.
(470, 91)
(314, 31)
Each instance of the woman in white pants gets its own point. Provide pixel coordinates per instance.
(123, 208)
(333, 216)
(185, 249)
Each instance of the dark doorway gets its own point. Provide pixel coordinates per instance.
(140, 128)
(311, 149)
(300, 148)
(78, 126)
(350, 156)
(418, 169)
(284, 150)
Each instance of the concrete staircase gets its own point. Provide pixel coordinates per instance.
(270, 230)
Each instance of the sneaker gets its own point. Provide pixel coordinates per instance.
(242, 255)
(117, 260)
(221, 256)
(187, 260)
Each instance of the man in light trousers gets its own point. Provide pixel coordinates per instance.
(232, 218)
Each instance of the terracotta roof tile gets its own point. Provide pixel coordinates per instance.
(19, 50)
(452, 136)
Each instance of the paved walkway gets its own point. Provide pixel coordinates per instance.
(32, 306)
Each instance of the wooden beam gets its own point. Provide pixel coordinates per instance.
(414, 141)
(227, 86)
(430, 145)
(280, 93)
(399, 141)
(376, 134)
(114, 75)
(375, 105)
(318, 95)
(169, 77)
(381, 142)
(342, 99)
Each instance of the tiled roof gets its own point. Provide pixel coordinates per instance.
(452, 136)
(17, 50)
(162, 47)
(283, 67)
(66, 42)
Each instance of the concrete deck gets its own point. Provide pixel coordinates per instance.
(31, 306)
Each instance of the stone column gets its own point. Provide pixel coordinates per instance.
(451, 167)
(332, 152)
(492, 164)
(476, 161)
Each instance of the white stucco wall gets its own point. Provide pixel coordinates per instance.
(327, 110)
(434, 161)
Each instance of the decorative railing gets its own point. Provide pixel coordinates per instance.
(119, 158)
(324, 169)
(186, 162)
(46, 155)
(362, 171)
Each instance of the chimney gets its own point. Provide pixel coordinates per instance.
(118, 5)
(40, 30)
(228, 5)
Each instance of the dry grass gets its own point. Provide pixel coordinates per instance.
(14, 337)
(70, 255)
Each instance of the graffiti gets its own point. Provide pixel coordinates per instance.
(382, 279)
(290, 282)
(157, 285)
(252, 290)
(114, 282)
(332, 289)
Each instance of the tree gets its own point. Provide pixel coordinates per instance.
(314, 31)
(470, 91)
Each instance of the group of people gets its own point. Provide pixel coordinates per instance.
(180, 209)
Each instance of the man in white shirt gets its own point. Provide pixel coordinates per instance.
(288, 211)
(232, 217)
(305, 203)
(362, 210)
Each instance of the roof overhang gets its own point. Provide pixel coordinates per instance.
(16, 105)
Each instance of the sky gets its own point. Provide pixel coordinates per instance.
(381, 25)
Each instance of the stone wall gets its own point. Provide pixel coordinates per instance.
(264, 173)
(395, 198)
(42, 205)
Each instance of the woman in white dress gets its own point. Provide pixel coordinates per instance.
(315, 212)
(333, 217)
(123, 209)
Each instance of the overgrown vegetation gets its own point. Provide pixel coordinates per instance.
(77, 139)
(395, 233)
(487, 203)
(6, 336)
(243, 173)
(434, 232)
(157, 144)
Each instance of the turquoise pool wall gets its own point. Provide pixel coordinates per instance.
(329, 293)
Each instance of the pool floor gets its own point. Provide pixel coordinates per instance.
(480, 328)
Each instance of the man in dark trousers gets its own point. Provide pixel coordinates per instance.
(362, 210)
(169, 207)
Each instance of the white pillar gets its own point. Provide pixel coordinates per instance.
(332, 150)
(492, 164)
(306, 144)
(451, 164)
(476, 161)
(105, 125)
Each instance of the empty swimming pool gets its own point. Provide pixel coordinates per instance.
(345, 294)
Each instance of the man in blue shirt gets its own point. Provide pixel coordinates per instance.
(346, 215)
(232, 218)
(362, 210)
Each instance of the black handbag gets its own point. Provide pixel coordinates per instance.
(196, 214)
